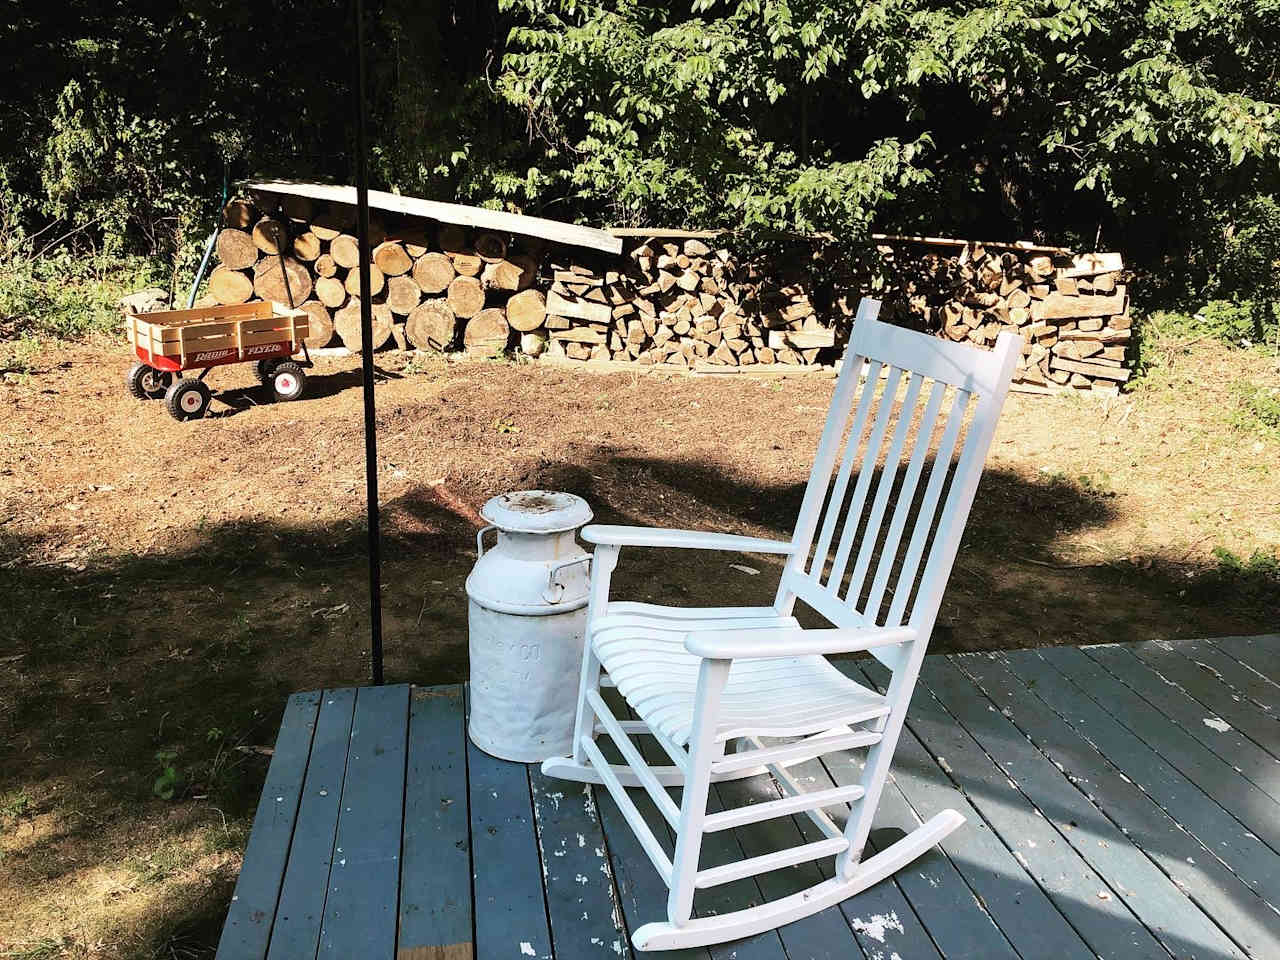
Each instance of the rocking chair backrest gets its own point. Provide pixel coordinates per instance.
(940, 400)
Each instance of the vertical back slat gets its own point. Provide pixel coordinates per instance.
(960, 496)
(871, 533)
(924, 519)
(865, 471)
(836, 500)
(906, 495)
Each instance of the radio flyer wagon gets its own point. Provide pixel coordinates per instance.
(169, 342)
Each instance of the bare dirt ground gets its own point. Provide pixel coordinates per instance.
(164, 586)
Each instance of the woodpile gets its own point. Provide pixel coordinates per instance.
(431, 286)
(1071, 312)
(672, 301)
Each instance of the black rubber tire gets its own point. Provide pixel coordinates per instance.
(265, 369)
(187, 399)
(291, 373)
(146, 382)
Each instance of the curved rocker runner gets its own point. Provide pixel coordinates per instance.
(912, 416)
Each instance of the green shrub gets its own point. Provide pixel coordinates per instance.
(1257, 410)
(68, 296)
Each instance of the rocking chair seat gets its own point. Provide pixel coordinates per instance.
(646, 658)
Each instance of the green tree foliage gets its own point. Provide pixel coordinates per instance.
(1150, 125)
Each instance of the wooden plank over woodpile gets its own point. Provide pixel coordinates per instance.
(456, 213)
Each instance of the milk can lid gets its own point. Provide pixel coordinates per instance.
(536, 511)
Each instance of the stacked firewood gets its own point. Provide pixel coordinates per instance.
(431, 285)
(1071, 311)
(679, 302)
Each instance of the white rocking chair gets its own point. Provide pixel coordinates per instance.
(700, 678)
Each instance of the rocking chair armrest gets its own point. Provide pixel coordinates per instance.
(684, 539)
(791, 641)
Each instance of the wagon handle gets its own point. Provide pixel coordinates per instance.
(554, 591)
(480, 539)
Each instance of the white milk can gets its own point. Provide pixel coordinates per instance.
(527, 614)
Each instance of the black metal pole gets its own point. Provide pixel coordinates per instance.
(366, 355)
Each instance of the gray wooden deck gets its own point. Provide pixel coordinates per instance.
(1122, 801)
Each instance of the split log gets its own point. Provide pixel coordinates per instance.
(239, 214)
(306, 246)
(331, 291)
(490, 247)
(270, 235)
(269, 281)
(528, 270)
(376, 281)
(583, 310)
(236, 249)
(1059, 306)
(346, 323)
(391, 258)
(466, 297)
(320, 326)
(486, 333)
(402, 295)
(433, 272)
(345, 250)
(526, 310)
(324, 266)
(500, 275)
(430, 325)
(228, 286)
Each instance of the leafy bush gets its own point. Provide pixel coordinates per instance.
(1259, 575)
(65, 295)
(1257, 409)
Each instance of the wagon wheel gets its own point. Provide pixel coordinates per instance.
(265, 369)
(146, 382)
(288, 380)
(187, 399)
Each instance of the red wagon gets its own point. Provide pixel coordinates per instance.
(170, 341)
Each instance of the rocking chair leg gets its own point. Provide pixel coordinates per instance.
(703, 751)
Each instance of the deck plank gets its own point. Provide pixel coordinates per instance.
(435, 883)
(1257, 811)
(510, 902)
(1161, 906)
(1195, 869)
(882, 918)
(306, 881)
(586, 921)
(1244, 679)
(364, 880)
(1258, 652)
(1000, 879)
(1240, 850)
(1220, 700)
(247, 930)
(1246, 757)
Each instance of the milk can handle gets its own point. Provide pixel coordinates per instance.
(555, 591)
(480, 539)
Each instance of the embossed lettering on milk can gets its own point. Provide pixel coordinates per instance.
(526, 613)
